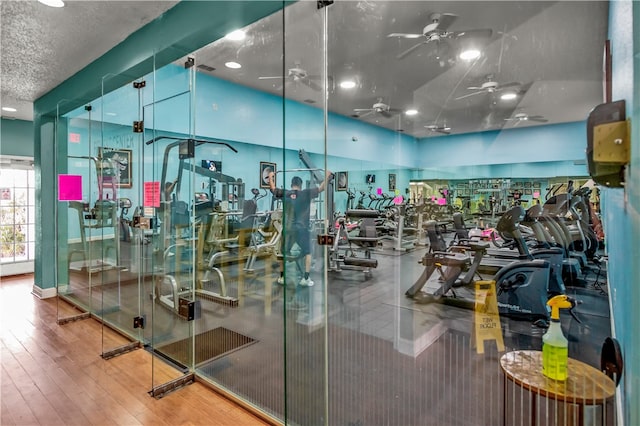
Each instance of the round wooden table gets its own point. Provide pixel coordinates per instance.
(585, 388)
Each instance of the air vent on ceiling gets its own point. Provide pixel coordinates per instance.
(206, 68)
(310, 101)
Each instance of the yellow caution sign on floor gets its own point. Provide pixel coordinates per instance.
(486, 317)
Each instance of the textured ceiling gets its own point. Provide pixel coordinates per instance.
(41, 46)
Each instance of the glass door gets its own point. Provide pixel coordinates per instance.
(170, 223)
(117, 193)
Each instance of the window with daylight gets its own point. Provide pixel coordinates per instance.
(17, 213)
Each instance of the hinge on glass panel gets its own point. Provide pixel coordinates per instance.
(323, 3)
(87, 107)
(325, 239)
(139, 84)
(138, 126)
(191, 61)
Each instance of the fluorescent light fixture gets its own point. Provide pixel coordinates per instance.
(236, 35)
(112, 114)
(52, 3)
(411, 112)
(232, 65)
(469, 54)
(9, 109)
(348, 84)
(508, 96)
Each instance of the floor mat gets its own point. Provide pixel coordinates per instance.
(210, 345)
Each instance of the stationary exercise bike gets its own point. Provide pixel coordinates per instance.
(522, 286)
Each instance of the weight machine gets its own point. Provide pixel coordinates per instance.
(190, 223)
(102, 216)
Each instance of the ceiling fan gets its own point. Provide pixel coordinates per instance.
(434, 128)
(521, 116)
(378, 108)
(437, 31)
(489, 86)
(296, 75)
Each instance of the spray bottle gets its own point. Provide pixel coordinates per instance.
(555, 347)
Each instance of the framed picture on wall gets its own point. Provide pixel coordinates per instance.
(342, 181)
(265, 169)
(392, 182)
(116, 164)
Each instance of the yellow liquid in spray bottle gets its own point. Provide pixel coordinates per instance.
(555, 353)
(555, 347)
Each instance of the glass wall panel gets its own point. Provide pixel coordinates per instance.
(261, 304)
(448, 249)
(307, 176)
(79, 241)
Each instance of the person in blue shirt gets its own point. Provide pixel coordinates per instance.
(297, 207)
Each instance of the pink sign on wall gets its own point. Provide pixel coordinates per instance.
(74, 137)
(69, 188)
(152, 194)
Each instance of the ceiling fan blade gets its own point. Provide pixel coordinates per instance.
(270, 78)
(386, 114)
(484, 33)
(445, 20)
(469, 94)
(404, 35)
(366, 114)
(508, 85)
(475, 88)
(409, 50)
(362, 109)
(444, 132)
(538, 118)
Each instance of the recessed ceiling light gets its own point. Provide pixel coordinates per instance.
(233, 65)
(348, 84)
(470, 54)
(9, 109)
(236, 35)
(508, 96)
(411, 112)
(52, 3)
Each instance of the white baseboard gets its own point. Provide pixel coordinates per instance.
(43, 293)
(17, 268)
(414, 347)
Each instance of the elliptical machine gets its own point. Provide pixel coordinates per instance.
(522, 286)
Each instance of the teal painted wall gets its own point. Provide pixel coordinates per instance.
(622, 206)
(254, 117)
(16, 138)
(559, 142)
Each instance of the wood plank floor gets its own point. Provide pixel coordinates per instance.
(54, 375)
